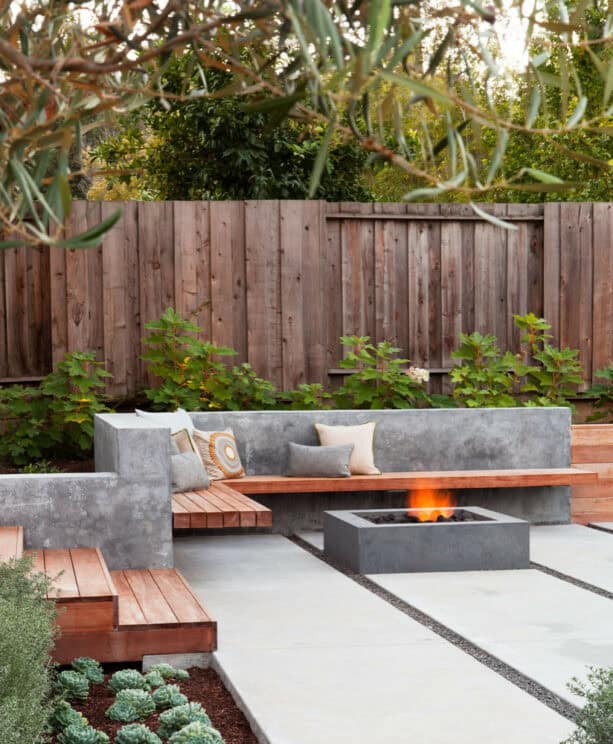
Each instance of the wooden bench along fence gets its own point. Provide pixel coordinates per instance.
(281, 281)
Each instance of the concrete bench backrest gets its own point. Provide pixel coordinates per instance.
(446, 439)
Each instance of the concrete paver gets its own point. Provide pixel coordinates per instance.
(315, 657)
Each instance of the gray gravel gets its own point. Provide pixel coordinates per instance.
(572, 580)
(520, 680)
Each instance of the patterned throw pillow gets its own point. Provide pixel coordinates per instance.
(219, 453)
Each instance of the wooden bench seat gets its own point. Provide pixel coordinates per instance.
(216, 507)
(414, 481)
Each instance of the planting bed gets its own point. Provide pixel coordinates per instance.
(203, 686)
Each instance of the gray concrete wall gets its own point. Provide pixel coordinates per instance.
(124, 508)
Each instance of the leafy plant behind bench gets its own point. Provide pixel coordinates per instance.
(26, 637)
(56, 418)
(603, 391)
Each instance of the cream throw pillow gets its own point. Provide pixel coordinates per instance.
(362, 460)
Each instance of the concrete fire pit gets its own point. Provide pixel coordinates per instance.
(483, 540)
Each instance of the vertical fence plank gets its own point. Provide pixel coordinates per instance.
(358, 258)
(228, 283)
(451, 289)
(603, 286)
(552, 227)
(192, 263)
(418, 293)
(390, 241)
(313, 289)
(121, 333)
(3, 318)
(39, 332)
(16, 328)
(516, 275)
(333, 296)
(263, 288)
(155, 264)
(490, 277)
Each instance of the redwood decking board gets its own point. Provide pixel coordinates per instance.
(11, 543)
(60, 570)
(38, 560)
(152, 602)
(184, 605)
(92, 578)
(216, 507)
(254, 484)
(129, 611)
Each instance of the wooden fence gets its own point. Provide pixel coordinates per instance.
(281, 281)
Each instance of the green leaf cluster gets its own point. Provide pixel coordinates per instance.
(136, 733)
(131, 705)
(167, 671)
(56, 418)
(64, 715)
(168, 696)
(72, 685)
(89, 668)
(177, 718)
(380, 379)
(196, 733)
(127, 679)
(542, 374)
(603, 391)
(27, 631)
(77, 734)
(595, 717)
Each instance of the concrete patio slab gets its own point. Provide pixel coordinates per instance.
(544, 627)
(577, 551)
(314, 657)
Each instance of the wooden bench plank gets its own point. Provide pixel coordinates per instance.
(247, 516)
(11, 543)
(183, 603)
(90, 572)
(38, 560)
(416, 480)
(154, 606)
(180, 515)
(231, 517)
(59, 568)
(129, 611)
(213, 515)
(263, 513)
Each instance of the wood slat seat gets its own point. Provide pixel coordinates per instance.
(445, 479)
(218, 506)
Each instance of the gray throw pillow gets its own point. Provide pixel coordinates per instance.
(188, 473)
(319, 462)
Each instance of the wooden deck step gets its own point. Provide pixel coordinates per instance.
(81, 587)
(158, 614)
(216, 507)
(11, 543)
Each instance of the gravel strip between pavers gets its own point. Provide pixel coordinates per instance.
(598, 528)
(572, 580)
(525, 683)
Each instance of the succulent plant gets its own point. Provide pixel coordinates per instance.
(127, 679)
(77, 734)
(196, 733)
(131, 705)
(73, 685)
(154, 679)
(136, 733)
(176, 718)
(169, 672)
(64, 715)
(168, 696)
(89, 668)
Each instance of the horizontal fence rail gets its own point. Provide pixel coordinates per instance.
(281, 281)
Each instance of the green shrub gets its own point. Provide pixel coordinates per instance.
(380, 380)
(167, 671)
(72, 685)
(168, 696)
(131, 705)
(58, 416)
(89, 668)
(27, 632)
(309, 397)
(196, 733)
(64, 715)
(40, 466)
(603, 392)
(242, 390)
(184, 364)
(177, 718)
(78, 734)
(127, 679)
(136, 733)
(154, 679)
(485, 377)
(595, 718)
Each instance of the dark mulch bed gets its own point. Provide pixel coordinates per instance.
(66, 466)
(203, 686)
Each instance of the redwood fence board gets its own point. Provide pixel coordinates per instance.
(281, 281)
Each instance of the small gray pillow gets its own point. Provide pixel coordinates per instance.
(319, 462)
(188, 473)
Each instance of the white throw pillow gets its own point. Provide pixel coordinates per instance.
(176, 421)
(362, 460)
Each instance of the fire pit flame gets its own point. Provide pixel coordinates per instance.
(434, 504)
